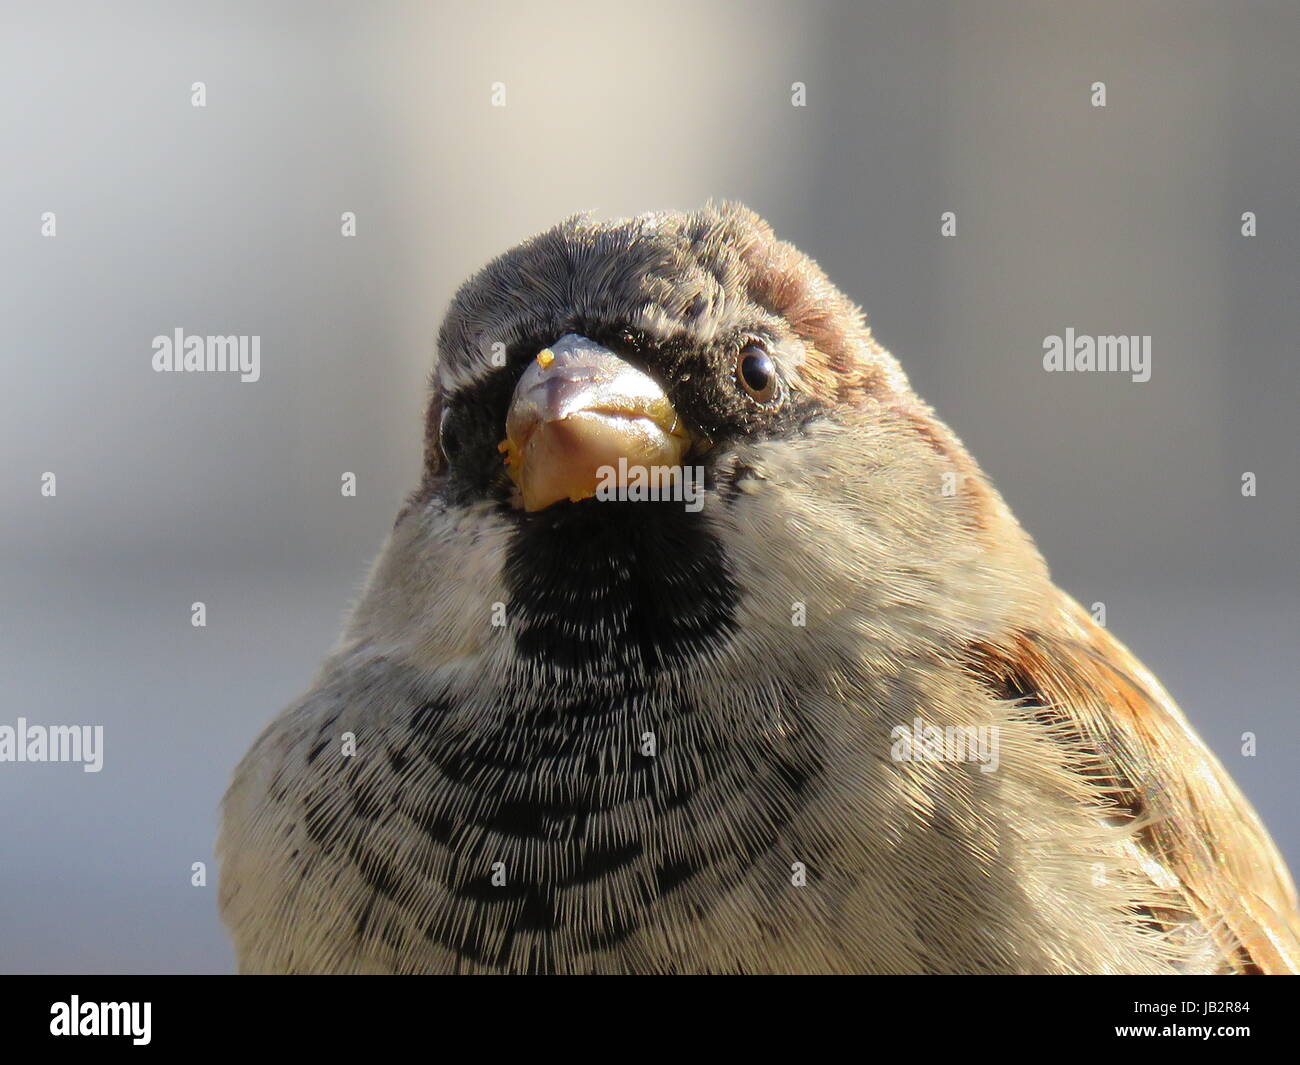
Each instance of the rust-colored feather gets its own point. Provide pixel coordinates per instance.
(1194, 830)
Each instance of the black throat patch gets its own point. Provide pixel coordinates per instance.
(618, 586)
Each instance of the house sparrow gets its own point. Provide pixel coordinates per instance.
(570, 733)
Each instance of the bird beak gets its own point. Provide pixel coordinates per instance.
(576, 411)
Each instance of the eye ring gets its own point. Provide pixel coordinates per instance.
(756, 371)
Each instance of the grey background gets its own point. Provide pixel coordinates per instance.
(176, 488)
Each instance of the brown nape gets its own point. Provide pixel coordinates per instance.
(845, 365)
(978, 503)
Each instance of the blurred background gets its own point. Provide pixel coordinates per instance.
(176, 488)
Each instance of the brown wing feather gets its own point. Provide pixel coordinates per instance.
(1198, 835)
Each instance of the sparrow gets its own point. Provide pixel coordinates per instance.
(575, 726)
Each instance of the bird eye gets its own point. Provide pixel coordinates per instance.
(756, 371)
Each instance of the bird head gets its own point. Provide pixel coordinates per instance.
(661, 340)
(695, 342)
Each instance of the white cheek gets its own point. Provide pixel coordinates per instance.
(436, 592)
(845, 545)
(835, 553)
